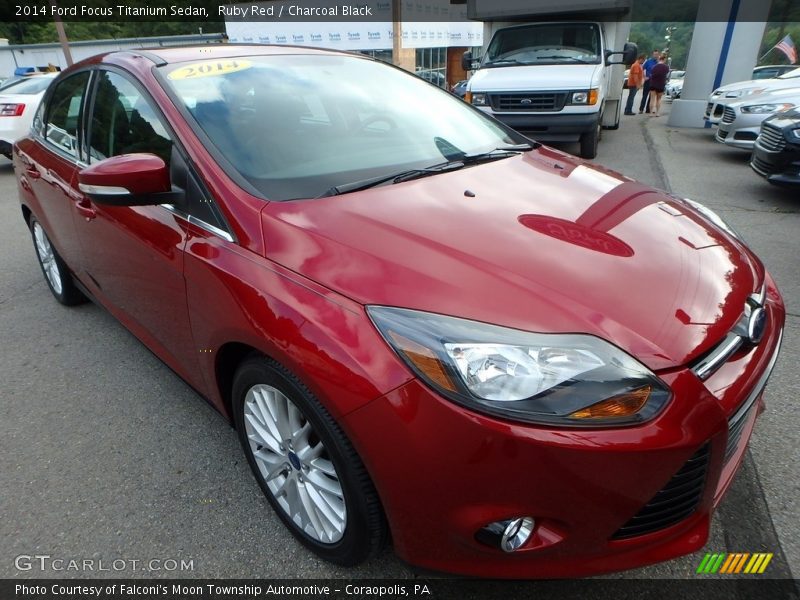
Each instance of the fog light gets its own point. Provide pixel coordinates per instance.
(509, 535)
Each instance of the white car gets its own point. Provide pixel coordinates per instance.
(733, 92)
(675, 84)
(18, 104)
(741, 120)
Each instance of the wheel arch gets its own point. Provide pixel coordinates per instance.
(229, 356)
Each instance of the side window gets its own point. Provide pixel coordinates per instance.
(64, 112)
(123, 121)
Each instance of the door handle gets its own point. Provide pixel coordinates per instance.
(32, 172)
(85, 209)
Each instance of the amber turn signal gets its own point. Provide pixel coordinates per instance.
(424, 360)
(618, 406)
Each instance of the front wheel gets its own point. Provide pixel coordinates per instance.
(589, 142)
(305, 465)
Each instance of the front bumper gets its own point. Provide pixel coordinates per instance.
(549, 127)
(739, 135)
(443, 472)
(780, 168)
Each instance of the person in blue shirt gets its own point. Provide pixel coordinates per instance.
(648, 65)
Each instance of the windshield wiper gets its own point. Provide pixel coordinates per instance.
(572, 58)
(408, 175)
(505, 61)
(497, 153)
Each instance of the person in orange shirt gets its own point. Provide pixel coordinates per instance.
(635, 83)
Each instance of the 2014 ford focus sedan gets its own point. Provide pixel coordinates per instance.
(424, 326)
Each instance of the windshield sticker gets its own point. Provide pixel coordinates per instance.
(210, 69)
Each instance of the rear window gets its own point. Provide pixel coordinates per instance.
(34, 85)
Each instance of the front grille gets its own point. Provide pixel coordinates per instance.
(729, 115)
(709, 106)
(722, 134)
(528, 101)
(718, 110)
(771, 138)
(760, 166)
(676, 501)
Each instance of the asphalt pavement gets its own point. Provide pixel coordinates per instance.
(107, 455)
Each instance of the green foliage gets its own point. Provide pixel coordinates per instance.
(32, 32)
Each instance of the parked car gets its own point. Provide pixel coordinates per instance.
(741, 121)
(433, 76)
(733, 92)
(625, 79)
(18, 103)
(675, 84)
(362, 279)
(460, 88)
(21, 73)
(770, 71)
(776, 154)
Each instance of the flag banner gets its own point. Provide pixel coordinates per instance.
(786, 45)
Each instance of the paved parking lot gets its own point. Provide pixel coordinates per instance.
(107, 454)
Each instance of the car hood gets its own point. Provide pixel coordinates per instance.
(533, 77)
(790, 118)
(541, 242)
(784, 96)
(767, 85)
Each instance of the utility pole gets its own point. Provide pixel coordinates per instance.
(62, 35)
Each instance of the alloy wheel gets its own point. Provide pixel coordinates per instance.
(295, 464)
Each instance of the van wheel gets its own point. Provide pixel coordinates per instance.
(589, 142)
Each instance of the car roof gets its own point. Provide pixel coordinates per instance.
(178, 54)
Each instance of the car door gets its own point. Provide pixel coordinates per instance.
(50, 159)
(134, 256)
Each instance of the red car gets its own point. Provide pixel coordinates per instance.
(424, 326)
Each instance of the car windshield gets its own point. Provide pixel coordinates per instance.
(551, 43)
(33, 85)
(677, 74)
(295, 126)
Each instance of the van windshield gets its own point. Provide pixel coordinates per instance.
(294, 126)
(546, 43)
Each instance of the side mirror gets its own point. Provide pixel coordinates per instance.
(629, 53)
(128, 180)
(466, 60)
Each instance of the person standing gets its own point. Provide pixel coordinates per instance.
(648, 66)
(635, 83)
(658, 81)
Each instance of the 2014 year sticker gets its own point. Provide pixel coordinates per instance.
(210, 68)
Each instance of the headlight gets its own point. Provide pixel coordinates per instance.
(766, 108)
(553, 379)
(589, 97)
(795, 133)
(744, 92)
(714, 218)
(479, 100)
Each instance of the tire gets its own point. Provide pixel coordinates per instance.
(55, 271)
(589, 142)
(312, 470)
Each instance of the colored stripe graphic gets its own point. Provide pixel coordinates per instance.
(734, 563)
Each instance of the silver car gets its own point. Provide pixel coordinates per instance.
(737, 92)
(741, 121)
